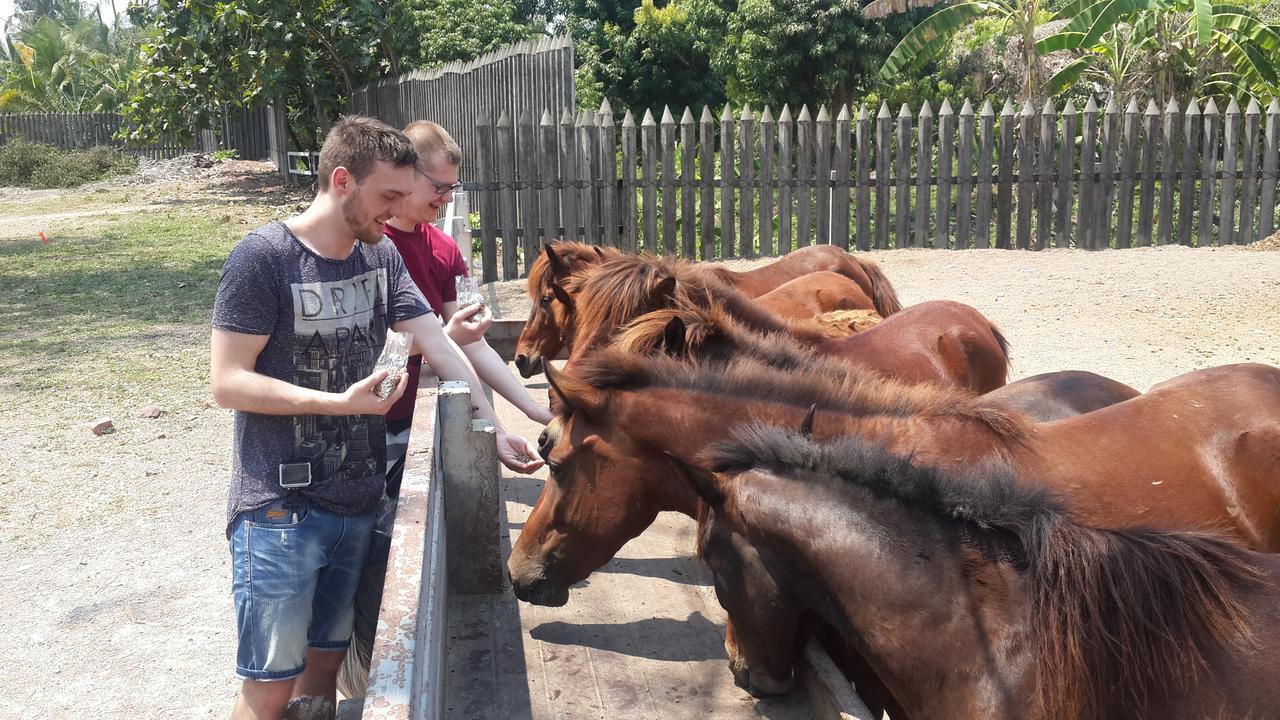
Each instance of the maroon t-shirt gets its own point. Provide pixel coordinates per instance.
(433, 261)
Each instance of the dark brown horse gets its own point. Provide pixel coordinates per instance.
(1060, 395)
(1200, 450)
(940, 341)
(549, 330)
(974, 597)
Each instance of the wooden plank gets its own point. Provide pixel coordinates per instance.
(924, 157)
(548, 199)
(505, 163)
(884, 139)
(964, 168)
(486, 200)
(1085, 225)
(1107, 171)
(1170, 134)
(669, 206)
(768, 139)
(649, 185)
(1126, 145)
(1211, 120)
(570, 217)
(688, 212)
(946, 155)
(1004, 186)
(1191, 131)
(902, 175)
(627, 184)
(588, 138)
(707, 160)
(607, 164)
(805, 139)
(986, 147)
(1270, 160)
(746, 185)
(1026, 173)
(786, 141)
(842, 185)
(1230, 162)
(1249, 185)
(1044, 186)
(726, 184)
(863, 192)
(1151, 149)
(822, 177)
(526, 175)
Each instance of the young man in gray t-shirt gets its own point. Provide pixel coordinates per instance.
(302, 312)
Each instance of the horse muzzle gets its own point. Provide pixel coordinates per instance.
(531, 584)
(528, 366)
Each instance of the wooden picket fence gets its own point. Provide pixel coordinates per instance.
(752, 185)
(79, 131)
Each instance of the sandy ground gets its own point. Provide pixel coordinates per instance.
(113, 567)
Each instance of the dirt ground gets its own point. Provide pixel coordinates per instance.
(113, 566)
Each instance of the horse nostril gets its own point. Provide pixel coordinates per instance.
(522, 361)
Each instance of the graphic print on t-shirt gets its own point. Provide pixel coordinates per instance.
(339, 330)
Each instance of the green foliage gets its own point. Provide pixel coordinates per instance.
(432, 32)
(225, 155)
(43, 166)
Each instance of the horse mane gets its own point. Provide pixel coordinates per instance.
(1121, 616)
(574, 254)
(825, 383)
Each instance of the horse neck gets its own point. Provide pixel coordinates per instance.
(945, 628)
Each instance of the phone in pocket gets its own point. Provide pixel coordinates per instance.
(295, 475)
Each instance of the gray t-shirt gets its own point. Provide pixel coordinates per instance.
(327, 321)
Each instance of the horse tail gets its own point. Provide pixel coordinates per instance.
(1134, 612)
(1003, 342)
(883, 296)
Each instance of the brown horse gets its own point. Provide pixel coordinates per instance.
(1200, 450)
(809, 296)
(1059, 395)
(940, 341)
(974, 597)
(548, 329)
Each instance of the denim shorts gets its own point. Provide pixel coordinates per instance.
(294, 577)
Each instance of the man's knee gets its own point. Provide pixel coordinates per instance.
(262, 699)
(325, 661)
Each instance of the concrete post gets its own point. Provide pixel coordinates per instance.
(470, 463)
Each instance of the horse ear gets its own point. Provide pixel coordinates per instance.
(806, 427)
(574, 393)
(665, 289)
(599, 252)
(557, 265)
(562, 295)
(673, 337)
(705, 483)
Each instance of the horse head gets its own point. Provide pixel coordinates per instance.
(544, 334)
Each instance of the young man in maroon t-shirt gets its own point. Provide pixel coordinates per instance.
(434, 262)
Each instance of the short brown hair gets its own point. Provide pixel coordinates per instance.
(432, 141)
(357, 142)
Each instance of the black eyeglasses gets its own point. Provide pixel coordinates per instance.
(441, 188)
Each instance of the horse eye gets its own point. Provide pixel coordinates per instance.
(546, 299)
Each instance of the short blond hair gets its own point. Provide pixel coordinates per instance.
(433, 142)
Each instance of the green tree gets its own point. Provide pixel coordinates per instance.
(439, 31)
(60, 57)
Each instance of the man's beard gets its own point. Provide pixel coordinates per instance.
(353, 211)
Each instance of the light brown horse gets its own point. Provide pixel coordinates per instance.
(1200, 450)
(976, 598)
(940, 341)
(809, 296)
(549, 330)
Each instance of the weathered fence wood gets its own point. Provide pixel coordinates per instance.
(488, 208)
(627, 187)
(548, 195)
(1106, 182)
(1004, 187)
(1146, 188)
(1230, 140)
(805, 138)
(1026, 172)
(902, 193)
(768, 139)
(863, 201)
(747, 175)
(1044, 188)
(1249, 185)
(924, 153)
(986, 146)
(526, 176)
(1191, 131)
(706, 157)
(726, 183)
(1066, 168)
(608, 173)
(507, 194)
(588, 138)
(649, 185)
(884, 130)
(688, 228)
(1270, 160)
(964, 193)
(1085, 225)
(569, 196)
(1170, 134)
(669, 205)
(842, 184)
(946, 154)
(822, 176)
(786, 138)
(1210, 120)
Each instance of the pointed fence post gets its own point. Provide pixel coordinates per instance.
(902, 180)
(707, 163)
(649, 170)
(1004, 189)
(727, 178)
(1026, 174)
(1230, 161)
(507, 198)
(1191, 136)
(627, 184)
(1066, 198)
(569, 195)
(924, 167)
(548, 195)
(1085, 222)
(747, 181)
(863, 193)
(946, 144)
(487, 198)
(964, 168)
(527, 177)
(588, 175)
(669, 206)
(1146, 190)
(804, 177)
(822, 177)
(1129, 153)
(1210, 119)
(786, 142)
(884, 140)
(768, 138)
(688, 149)
(1044, 185)
(841, 185)
(1107, 187)
(1171, 134)
(1249, 185)
(1270, 160)
(607, 167)
(986, 147)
